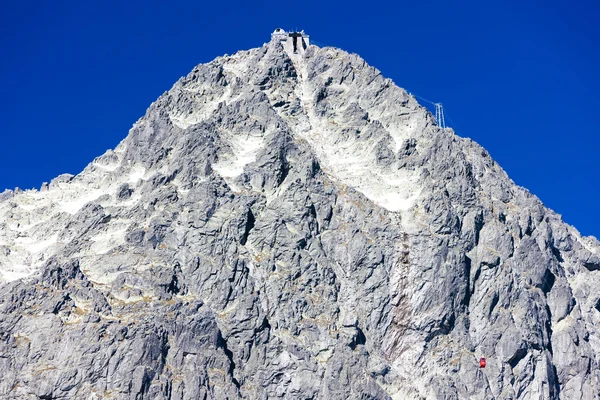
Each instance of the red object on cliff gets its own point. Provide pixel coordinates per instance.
(482, 362)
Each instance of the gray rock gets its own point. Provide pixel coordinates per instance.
(293, 226)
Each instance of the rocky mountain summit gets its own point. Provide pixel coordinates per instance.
(293, 225)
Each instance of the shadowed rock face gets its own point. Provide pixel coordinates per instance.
(293, 226)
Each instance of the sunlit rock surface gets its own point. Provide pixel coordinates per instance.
(293, 226)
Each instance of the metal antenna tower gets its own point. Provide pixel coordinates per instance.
(439, 111)
(439, 115)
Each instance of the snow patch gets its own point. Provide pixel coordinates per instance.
(33, 246)
(353, 161)
(108, 240)
(27, 207)
(15, 272)
(107, 168)
(136, 174)
(355, 166)
(73, 206)
(237, 69)
(19, 227)
(184, 120)
(243, 152)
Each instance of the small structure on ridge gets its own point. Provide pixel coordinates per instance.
(295, 42)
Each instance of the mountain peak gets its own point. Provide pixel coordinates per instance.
(285, 221)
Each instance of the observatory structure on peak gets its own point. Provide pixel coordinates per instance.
(293, 41)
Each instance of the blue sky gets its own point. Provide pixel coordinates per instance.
(521, 78)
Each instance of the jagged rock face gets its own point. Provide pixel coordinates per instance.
(293, 226)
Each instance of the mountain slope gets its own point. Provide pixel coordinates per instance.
(297, 226)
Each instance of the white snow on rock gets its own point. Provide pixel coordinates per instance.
(108, 240)
(331, 264)
(27, 237)
(353, 161)
(35, 246)
(353, 164)
(243, 152)
(203, 108)
(349, 160)
(137, 173)
(73, 206)
(15, 272)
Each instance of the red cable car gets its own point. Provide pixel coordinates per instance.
(482, 362)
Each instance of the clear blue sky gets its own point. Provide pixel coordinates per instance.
(519, 77)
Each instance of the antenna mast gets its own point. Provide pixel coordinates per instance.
(439, 111)
(439, 115)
